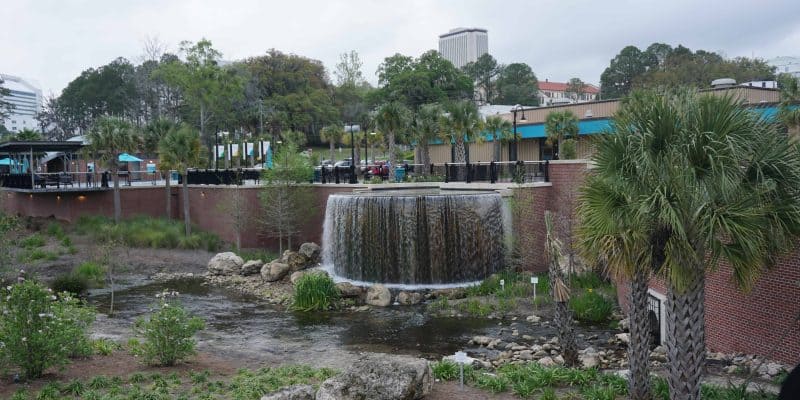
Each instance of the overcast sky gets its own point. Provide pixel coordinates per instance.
(51, 42)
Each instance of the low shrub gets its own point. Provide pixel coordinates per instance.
(440, 304)
(72, 283)
(39, 330)
(314, 292)
(146, 232)
(168, 333)
(591, 307)
(255, 384)
(55, 230)
(36, 254)
(91, 271)
(33, 241)
(445, 370)
(258, 254)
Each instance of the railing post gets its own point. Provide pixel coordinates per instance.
(431, 169)
(446, 173)
(547, 170)
(469, 172)
(492, 172)
(336, 173)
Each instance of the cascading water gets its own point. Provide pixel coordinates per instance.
(413, 237)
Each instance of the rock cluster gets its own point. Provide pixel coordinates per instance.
(227, 263)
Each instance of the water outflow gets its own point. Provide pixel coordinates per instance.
(411, 237)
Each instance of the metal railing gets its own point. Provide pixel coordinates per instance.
(76, 180)
(492, 172)
(237, 176)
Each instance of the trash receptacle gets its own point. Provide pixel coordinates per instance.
(399, 174)
(317, 175)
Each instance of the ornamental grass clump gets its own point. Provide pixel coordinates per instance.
(168, 333)
(39, 330)
(314, 292)
(591, 307)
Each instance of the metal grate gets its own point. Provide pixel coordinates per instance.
(654, 313)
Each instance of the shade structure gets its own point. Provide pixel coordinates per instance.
(125, 157)
(7, 161)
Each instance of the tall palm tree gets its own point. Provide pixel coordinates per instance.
(500, 129)
(108, 138)
(181, 149)
(560, 126)
(559, 291)
(427, 127)
(710, 182)
(333, 135)
(464, 125)
(392, 119)
(152, 135)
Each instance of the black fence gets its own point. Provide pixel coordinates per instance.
(221, 176)
(492, 172)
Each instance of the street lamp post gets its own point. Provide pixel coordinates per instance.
(352, 129)
(512, 156)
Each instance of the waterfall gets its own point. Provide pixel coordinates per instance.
(412, 237)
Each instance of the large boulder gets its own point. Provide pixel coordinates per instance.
(251, 267)
(311, 251)
(296, 261)
(348, 290)
(274, 271)
(296, 392)
(378, 295)
(380, 377)
(225, 264)
(409, 298)
(299, 274)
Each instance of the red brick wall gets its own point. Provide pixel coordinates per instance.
(528, 207)
(207, 206)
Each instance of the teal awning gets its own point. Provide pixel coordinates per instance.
(125, 157)
(7, 161)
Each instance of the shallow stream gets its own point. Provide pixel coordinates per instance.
(254, 332)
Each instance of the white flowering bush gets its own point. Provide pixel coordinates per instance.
(168, 333)
(39, 330)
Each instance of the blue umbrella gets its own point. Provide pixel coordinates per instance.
(125, 157)
(7, 161)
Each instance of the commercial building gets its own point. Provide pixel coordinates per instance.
(555, 93)
(26, 100)
(594, 117)
(463, 45)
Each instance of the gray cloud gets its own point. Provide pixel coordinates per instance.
(53, 41)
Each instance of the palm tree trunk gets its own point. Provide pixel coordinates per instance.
(425, 155)
(186, 219)
(117, 201)
(169, 195)
(496, 144)
(639, 345)
(461, 152)
(566, 333)
(392, 157)
(686, 342)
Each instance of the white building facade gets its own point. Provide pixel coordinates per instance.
(463, 45)
(786, 65)
(26, 99)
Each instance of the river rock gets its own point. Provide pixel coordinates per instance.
(380, 377)
(378, 295)
(299, 274)
(623, 338)
(296, 392)
(589, 360)
(274, 271)
(227, 263)
(452, 293)
(546, 362)
(409, 298)
(311, 251)
(251, 267)
(348, 290)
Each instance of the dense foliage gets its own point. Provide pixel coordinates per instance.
(39, 330)
(146, 232)
(662, 65)
(314, 292)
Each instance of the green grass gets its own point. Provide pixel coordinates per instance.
(33, 241)
(91, 271)
(71, 283)
(146, 232)
(37, 254)
(55, 230)
(516, 285)
(591, 307)
(254, 384)
(258, 254)
(314, 292)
